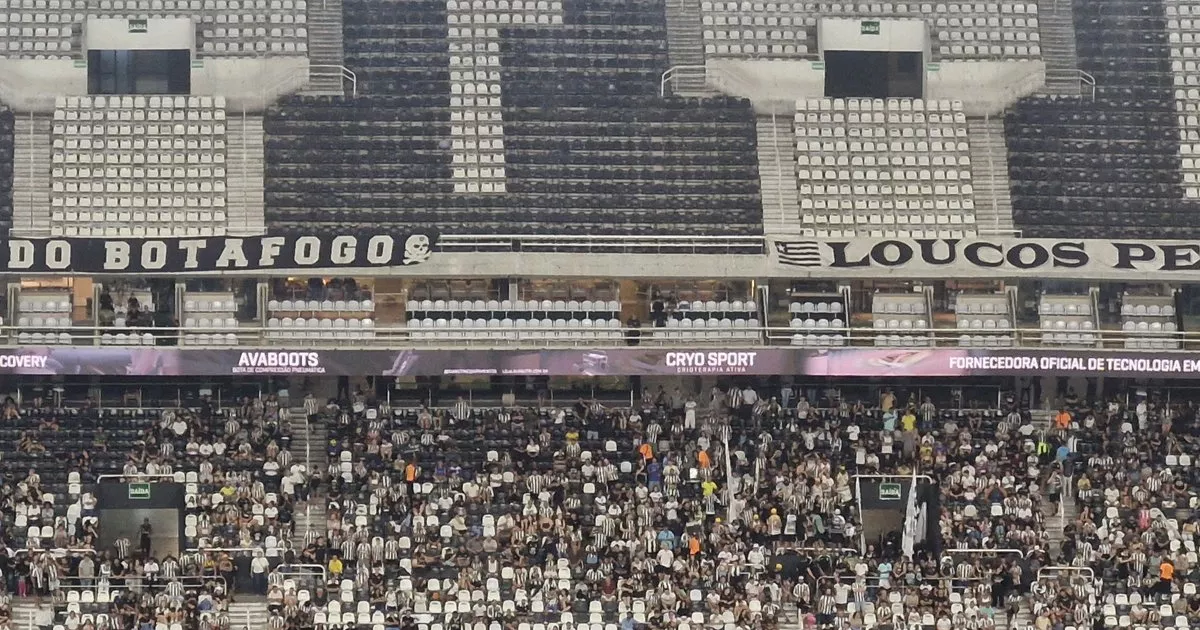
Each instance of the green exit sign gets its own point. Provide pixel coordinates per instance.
(139, 491)
(818, 65)
(870, 27)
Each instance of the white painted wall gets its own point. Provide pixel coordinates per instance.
(161, 34)
(894, 35)
(32, 84)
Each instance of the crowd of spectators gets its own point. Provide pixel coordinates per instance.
(240, 488)
(736, 507)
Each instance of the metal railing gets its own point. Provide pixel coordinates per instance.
(674, 73)
(598, 244)
(534, 336)
(1087, 85)
(344, 73)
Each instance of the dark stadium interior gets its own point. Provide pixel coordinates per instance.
(589, 145)
(1107, 168)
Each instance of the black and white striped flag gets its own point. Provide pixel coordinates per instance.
(799, 253)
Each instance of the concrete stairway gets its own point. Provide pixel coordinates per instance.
(1056, 26)
(777, 174)
(325, 52)
(685, 46)
(308, 446)
(27, 615)
(989, 176)
(248, 613)
(31, 175)
(1055, 522)
(244, 174)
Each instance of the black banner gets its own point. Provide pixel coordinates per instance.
(223, 253)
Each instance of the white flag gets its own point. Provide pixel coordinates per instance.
(911, 516)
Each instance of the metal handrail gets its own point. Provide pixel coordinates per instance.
(253, 335)
(672, 72)
(1088, 82)
(343, 71)
(681, 244)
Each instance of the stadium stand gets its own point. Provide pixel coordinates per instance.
(1110, 167)
(895, 313)
(211, 313)
(1153, 314)
(138, 166)
(1068, 320)
(874, 166)
(48, 30)
(984, 319)
(587, 141)
(781, 30)
(821, 320)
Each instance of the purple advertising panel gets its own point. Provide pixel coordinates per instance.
(862, 362)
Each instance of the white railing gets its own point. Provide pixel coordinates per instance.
(1087, 85)
(344, 73)
(675, 72)
(588, 243)
(779, 170)
(402, 336)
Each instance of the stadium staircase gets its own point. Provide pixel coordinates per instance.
(31, 175)
(325, 48)
(777, 171)
(25, 613)
(989, 176)
(244, 174)
(1056, 524)
(248, 613)
(312, 450)
(685, 46)
(1056, 23)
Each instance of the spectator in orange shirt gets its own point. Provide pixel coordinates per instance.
(647, 451)
(1063, 419)
(703, 459)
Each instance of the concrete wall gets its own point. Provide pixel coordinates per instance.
(32, 84)
(160, 34)
(985, 87)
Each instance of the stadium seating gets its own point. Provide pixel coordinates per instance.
(983, 319)
(251, 28)
(1151, 319)
(1109, 168)
(138, 166)
(821, 320)
(210, 313)
(782, 30)
(588, 144)
(1067, 320)
(505, 319)
(711, 320)
(6, 168)
(884, 167)
(44, 317)
(893, 314)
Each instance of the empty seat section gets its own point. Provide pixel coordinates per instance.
(818, 320)
(983, 320)
(1068, 320)
(210, 319)
(895, 167)
(1108, 168)
(44, 317)
(1149, 321)
(526, 126)
(901, 319)
(297, 320)
(138, 166)
(958, 31)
